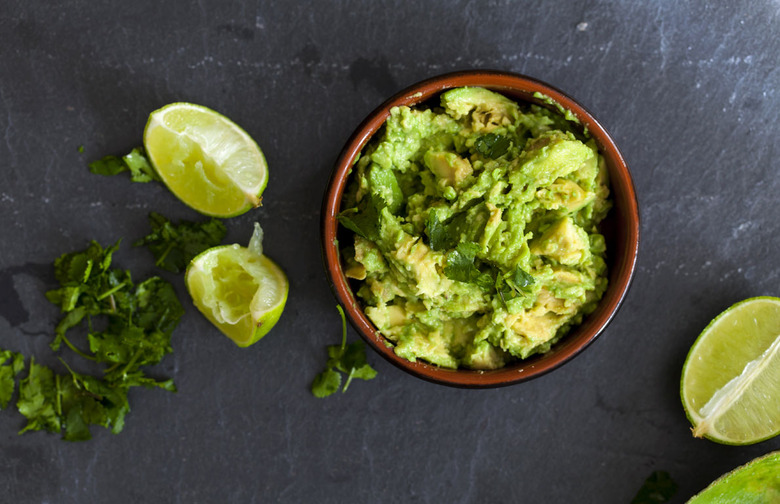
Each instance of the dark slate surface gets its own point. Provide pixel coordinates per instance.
(689, 93)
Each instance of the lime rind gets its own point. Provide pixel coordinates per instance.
(242, 293)
(755, 482)
(729, 415)
(205, 159)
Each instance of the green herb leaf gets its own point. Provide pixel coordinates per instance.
(108, 166)
(326, 383)
(38, 399)
(11, 364)
(349, 359)
(492, 145)
(521, 279)
(139, 320)
(363, 221)
(175, 245)
(462, 268)
(658, 488)
(440, 236)
(140, 168)
(135, 162)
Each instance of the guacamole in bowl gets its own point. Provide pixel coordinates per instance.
(475, 229)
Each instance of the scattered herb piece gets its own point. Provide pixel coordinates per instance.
(39, 400)
(658, 488)
(349, 359)
(138, 322)
(10, 365)
(135, 162)
(492, 145)
(81, 148)
(174, 245)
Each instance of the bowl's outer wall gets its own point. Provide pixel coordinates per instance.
(621, 230)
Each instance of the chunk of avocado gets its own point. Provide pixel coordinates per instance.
(564, 242)
(565, 194)
(551, 156)
(448, 167)
(489, 110)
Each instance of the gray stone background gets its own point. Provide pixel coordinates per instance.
(688, 90)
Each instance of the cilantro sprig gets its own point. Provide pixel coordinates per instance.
(174, 245)
(135, 162)
(137, 323)
(461, 266)
(11, 364)
(492, 145)
(347, 359)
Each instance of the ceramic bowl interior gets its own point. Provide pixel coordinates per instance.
(620, 229)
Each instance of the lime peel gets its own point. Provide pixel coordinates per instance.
(205, 159)
(241, 292)
(730, 385)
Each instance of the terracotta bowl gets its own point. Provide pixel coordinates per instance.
(620, 228)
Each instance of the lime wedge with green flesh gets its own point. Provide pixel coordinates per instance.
(205, 159)
(757, 482)
(240, 291)
(730, 385)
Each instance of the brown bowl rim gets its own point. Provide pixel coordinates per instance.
(573, 343)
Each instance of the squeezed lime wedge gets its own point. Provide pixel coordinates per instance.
(240, 290)
(757, 482)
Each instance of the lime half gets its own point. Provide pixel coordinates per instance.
(756, 482)
(240, 290)
(205, 159)
(731, 378)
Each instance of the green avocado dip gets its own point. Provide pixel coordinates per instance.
(475, 229)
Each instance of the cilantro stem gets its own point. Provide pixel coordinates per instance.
(58, 405)
(349, 379)
(79, 352)
(111, 368)
(160, 260)
(110, 291)
(132, 362)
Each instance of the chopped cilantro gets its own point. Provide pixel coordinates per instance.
(348, 359)
(520, 279)
(174, 246)
(363, 220)
(139, 320)
(492, 145)
(10, 365)
(658, 488)
(440, 236)
(461, 266)
(39, 400)
(135, 162)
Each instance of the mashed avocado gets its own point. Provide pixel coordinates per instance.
(475, 229)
